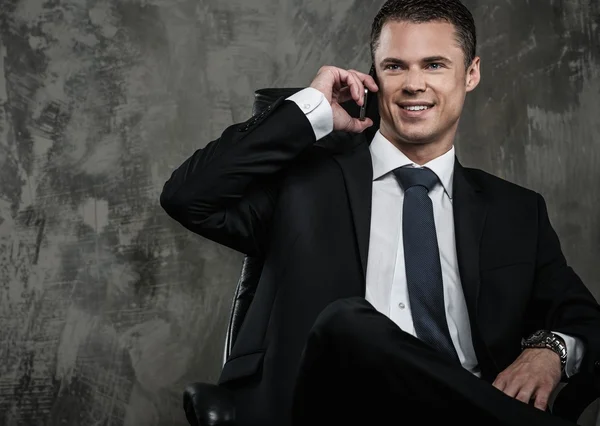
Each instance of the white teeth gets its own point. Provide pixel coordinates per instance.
(416, 108)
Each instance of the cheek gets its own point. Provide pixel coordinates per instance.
(388, 105)
(452, 98)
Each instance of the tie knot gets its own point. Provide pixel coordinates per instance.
(412, 176)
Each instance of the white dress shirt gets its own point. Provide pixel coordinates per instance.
(386, 287)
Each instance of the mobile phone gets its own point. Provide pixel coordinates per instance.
(363, 108)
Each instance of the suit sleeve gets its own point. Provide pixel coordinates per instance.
(226, 191)
(560, 300)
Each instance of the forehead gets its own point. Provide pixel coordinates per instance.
(409, 41)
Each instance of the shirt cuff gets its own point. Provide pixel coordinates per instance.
(317, 109)
(575, 350)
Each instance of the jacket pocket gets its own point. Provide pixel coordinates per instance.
(241, 366)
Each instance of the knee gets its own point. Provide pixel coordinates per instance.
(342, 317)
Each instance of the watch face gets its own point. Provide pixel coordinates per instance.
(538, 336)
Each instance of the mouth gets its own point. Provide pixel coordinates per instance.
(415, 110)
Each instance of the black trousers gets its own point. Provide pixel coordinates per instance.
(360, 368)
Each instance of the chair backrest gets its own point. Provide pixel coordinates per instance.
(252, 266)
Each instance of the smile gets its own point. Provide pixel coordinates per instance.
(416, 108)
(415, 111)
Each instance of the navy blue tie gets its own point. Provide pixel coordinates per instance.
(422, 260)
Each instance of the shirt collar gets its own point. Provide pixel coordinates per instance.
(386, 157)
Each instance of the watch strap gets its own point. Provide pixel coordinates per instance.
(547, 339)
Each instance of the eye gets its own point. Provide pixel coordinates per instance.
(438, 64)
(391, 65)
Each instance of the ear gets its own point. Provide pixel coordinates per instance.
(473, 75)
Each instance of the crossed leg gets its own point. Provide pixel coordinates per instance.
(360, 368)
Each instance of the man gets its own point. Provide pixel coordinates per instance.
(396, 283)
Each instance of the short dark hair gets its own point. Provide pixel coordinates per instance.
(420, 11)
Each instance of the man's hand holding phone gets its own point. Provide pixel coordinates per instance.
(338, 86)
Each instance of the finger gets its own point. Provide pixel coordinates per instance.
(541, 399)
(499, 383)
(351, 80)
(512, 389)
(524, 394)
(357, 88)
(360, 86)
(366, 80)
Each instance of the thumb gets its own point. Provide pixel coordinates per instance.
(357, 126)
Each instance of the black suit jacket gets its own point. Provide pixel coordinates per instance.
(265, 188)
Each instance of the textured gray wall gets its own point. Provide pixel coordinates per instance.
(107, 307)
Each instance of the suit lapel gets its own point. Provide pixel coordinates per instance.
(470, 210)
(357, 169)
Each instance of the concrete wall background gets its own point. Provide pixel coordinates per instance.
(107, 307)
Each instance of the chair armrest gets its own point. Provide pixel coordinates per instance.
(572, 400)
(208, 405)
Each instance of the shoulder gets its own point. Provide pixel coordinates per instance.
(508, 200)
(499, 189)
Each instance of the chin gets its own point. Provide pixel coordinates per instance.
(416, 138)
(409, 134)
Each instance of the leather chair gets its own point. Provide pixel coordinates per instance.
(210, 405)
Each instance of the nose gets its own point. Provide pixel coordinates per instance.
(414, 81)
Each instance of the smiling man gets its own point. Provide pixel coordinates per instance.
(397, 284)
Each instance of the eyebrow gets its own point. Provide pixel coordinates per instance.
(426, 60)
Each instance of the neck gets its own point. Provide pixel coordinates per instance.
(420, 152)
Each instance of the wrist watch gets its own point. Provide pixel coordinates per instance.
(547, 339)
